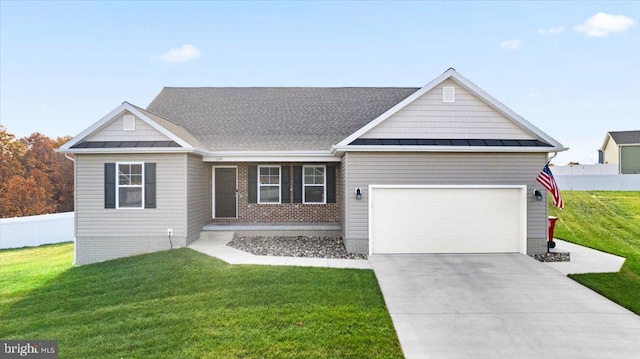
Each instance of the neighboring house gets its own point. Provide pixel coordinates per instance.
(621, 148)
(445, 168)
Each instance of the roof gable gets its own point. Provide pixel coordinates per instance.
(509, 122)
(467, 117)
(114, 130)
(109, 132)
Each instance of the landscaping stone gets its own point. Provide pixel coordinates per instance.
(553, 257)
(309, 247)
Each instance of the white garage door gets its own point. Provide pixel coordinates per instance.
(447, 219)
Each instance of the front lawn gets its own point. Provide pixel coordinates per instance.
(608, 221)
(183, 304)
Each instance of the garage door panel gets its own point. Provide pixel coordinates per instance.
(446, 220)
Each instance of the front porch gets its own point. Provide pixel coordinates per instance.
(277, 229)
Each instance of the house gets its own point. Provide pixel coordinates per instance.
(621, 148)
(445, 168)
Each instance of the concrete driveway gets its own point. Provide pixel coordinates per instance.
(499, 306)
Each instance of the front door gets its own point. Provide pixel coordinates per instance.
(225, 192)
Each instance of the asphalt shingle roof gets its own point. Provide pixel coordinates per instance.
(173, 127)
(273, 118)
(625, 137)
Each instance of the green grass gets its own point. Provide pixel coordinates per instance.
(182, 304)
(608, 221)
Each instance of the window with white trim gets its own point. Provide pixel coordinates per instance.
(268, 184)
(130, 185)
(313, 184)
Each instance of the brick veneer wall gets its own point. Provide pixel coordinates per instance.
(280, 213)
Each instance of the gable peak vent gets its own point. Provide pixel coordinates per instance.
(129, 123)
(448, 94)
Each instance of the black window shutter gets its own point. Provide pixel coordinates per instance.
(149, 185)
(297, 184)
(285, 184)
(331, 184)
(109, 185)
(253, 184)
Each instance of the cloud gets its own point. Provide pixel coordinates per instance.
(267, 17)
(601, 25)
(552, 30)
(511, 44)
(183, 53)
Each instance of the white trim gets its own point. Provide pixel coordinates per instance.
(130, 150)
(279, 167)
(523, 206)
(469, 86)
(115, 114)
(270, 156)
(213, 190)
(214, 157)
(606, 141)
(484, 149)
(142, 186)
(324, 184)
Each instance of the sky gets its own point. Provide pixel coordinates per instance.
(570, 68)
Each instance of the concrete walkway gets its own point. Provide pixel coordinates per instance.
(499, 306)
(216, 246)
(488, 305)
(585, 260)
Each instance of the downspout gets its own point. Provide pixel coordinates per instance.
(66, 155)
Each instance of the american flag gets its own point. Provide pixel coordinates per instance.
(546, 179)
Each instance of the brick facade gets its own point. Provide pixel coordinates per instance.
(280, 213)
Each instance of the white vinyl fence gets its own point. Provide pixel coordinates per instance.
(36, 230)
(598, 182)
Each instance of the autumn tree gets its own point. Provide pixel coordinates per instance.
(23, 197)
(34, 179)
(12, 152)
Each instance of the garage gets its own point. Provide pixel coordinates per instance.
(447, 219)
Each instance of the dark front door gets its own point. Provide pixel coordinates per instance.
(225, 193)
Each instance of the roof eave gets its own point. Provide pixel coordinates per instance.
(127, 150)
(270, 156)
(339, 150)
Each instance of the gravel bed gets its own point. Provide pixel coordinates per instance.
(310, 247)
(553, 257)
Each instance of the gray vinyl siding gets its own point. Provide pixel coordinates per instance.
(198, 196)
(103, 234)
(442, 169)
(342, 195)
(113, 131)
(429, 117)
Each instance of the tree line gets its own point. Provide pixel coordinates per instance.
(34, 179)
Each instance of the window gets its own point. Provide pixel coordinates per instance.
(269, 184)
(130, 185)
(313, 184)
